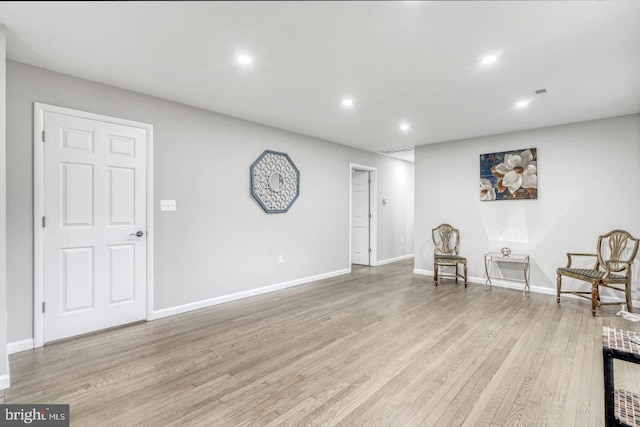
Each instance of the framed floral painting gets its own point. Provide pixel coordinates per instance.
(509, 175)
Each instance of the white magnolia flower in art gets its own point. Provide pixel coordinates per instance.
(518, 170)
(487, 192)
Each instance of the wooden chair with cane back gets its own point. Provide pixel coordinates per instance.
(446, 241)
(611, 269)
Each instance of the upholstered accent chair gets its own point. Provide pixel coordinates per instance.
(611, 269)
(446, 241)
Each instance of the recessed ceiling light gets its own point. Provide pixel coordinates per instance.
(522, 104)
(245, 59)
(347, 102)
(489, 59)
(405, 127)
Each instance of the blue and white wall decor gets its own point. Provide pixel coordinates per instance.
(275, 181)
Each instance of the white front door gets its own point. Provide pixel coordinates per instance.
(94, 200)
(360, 253)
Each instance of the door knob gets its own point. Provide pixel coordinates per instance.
(138, 233)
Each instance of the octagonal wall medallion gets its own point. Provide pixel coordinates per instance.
(275, 181)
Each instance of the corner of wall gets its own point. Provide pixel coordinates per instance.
(4, 357)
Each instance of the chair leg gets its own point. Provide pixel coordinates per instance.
(457, 273)
(627, 294)
(594, 298)
(465, 274)
(558, 286)
(435, 273)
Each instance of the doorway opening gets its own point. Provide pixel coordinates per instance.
(362, 215)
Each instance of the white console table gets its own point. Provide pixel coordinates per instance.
(492, 258)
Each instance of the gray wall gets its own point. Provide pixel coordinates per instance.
(588, 176)
(219, 241)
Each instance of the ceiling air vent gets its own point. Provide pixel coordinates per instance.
(396, 150)
(541, 91)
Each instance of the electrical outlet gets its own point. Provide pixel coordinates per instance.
(167, 205)
(281, 259)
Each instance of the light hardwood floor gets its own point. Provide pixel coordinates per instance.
(379, 346)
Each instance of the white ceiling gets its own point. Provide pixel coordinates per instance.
(402, 60)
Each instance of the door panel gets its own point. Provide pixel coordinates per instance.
(77, 279)
(76, 139)
(122, 145)
(122, 196)
(94, 203)
(122, 277)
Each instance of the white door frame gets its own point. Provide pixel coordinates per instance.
(39, 110)
(373, 210)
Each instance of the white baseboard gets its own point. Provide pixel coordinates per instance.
(477, 280)
(390, 260)
(165, 312)
(5, 379)
(18, 346)
(517, 286)
(5, 382)
(496, 282)
(549, 291)
(423, 272)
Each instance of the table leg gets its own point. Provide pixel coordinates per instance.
(526, 276)
(487, 270)
(609, 418)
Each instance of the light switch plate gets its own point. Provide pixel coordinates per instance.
(167, 205)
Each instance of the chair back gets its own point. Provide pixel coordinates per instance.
(446, 240)
(618, 247)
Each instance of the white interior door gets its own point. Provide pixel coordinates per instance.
(94, 268)
(360, 224)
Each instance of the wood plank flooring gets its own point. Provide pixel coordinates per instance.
(378, 347)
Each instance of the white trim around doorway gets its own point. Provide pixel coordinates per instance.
(373, 210)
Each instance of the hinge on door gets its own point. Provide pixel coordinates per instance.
(369, 250)
(43, 222)
(369, 216)
(43, 306)
(44, 136)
